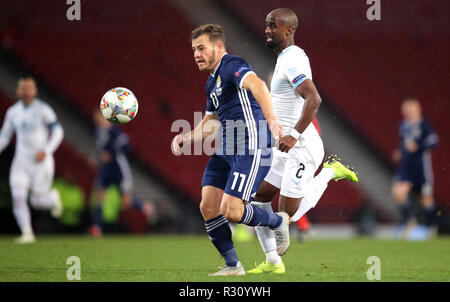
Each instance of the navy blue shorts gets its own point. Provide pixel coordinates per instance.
(109, 175)
(418, 175)
(238, 175)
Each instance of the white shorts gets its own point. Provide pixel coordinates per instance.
(31, 175)
(291, 172)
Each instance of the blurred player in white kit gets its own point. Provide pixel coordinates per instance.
(38, 135)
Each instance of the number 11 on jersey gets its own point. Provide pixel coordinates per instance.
(238, 175)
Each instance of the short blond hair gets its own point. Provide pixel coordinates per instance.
(214, 32)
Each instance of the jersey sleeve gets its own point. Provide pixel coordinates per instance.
(237, 70)
(49, 116)
(120, 140)
(430, 138)
(210, 108)
(7, 131)
(297, 68)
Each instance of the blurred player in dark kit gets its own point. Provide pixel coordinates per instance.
(414, 172)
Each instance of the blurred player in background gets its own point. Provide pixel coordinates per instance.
(112, 167)
(300, 149)
(38, 135)
(414, 172)
(235, 95)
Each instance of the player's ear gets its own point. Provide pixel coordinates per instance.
(220, 44)
(290, 31)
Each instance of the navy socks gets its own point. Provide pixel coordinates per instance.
(255, 216)
(220, 235)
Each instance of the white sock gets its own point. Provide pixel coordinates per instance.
(273, 257)
(21, 211)
(315, 190)
(266, 237)
(28, 231)
(43, 201)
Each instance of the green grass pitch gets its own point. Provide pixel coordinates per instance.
(191, 258)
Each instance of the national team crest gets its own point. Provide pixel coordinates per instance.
(219, 81)
(218, 88)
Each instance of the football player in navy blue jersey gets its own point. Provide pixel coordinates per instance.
(241, 101)
(113, 168)
(414, 172)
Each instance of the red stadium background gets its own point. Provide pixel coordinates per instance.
(364, 68)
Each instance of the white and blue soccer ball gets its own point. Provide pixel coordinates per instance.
(119, 105)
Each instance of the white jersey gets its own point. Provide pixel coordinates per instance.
(291, 70)
(31, 124)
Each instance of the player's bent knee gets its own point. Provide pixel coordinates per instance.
(37, 200)
(399, 194)
(19, 196)
(232, 212)
(208, 210)
(400, 197)
(233, 216)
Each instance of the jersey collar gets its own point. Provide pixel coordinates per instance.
(284, 50)
(27, 106)
(214, 73)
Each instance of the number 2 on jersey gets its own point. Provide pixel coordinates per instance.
(300, 170)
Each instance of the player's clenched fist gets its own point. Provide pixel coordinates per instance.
(177, 144)
(40, 156)
(275, 128)
(286, 143)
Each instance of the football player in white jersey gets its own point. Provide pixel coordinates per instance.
(300, 149)
(38, 135)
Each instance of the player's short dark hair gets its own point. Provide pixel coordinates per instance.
(214, 32)
(26, 77)
(410, 99)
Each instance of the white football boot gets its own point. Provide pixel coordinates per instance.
(57, 209)
(282, 234)
(237, 270)
(26, 237)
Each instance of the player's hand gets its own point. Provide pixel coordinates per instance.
(177, 144)
(105, 157)
(396, 156)
(275, 128)
(286, 143)
(411, 146)
(92, 160)
(40, 156)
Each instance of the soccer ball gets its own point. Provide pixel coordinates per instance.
(119, 105)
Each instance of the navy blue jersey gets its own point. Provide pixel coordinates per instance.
(113, 141)
(422, 134)
(116, 171)
(238, 111)
(415, 167)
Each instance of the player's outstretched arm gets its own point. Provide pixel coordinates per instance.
(55, 138)
(262, 95)
(308, 91)
(6, 132)
(208, 126)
